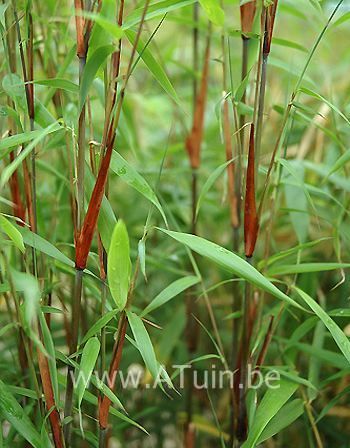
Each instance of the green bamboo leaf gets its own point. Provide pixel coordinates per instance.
(7, 327)
(333, 402)
(14, 88)
(17, 417)
(129, 175)
(3, 8)
(43, 117)
(87, 364)
(97, 326)
(107, 392)
(105, 27)
(94, 62)
(305, 267)
(155, 10)
(171, 291)
(59, 83)
(284, 417)
(214, 11)
(144, 343)
(90, 398)
(118, 268)
(11, 231)
(231, 262)
(324, 100)
(341, 161)
(289, 44)
(37, 242)
(11, 168)
(62, 68)
(338, 335)
(28, 284)
(327, 356)
(8, 143)
(344, 18)
(209, 183)
(270, 405)
(109, 26)
(153, 65)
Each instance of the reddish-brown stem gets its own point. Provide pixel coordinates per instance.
(113, 370)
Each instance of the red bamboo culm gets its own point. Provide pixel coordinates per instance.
(194, 140)
(251, 222)
(247, 16)
(269, 25)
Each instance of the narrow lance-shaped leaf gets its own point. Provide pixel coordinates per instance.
(305, 267)
(247, 11)
(93, 64)
(251, 222)
(40, 244)
(153, 65)
(338, 335)
(155, 10)
(144, 343)
(284, 417)
(271, 403)
(118, 267)
(214, 11)
(87, 364)
(269, 25)
(230, 261)
(12, 232)
(10, 169)
(209, 183)
(98, 325)
(17, 417)
(129, 175)
(169, 292)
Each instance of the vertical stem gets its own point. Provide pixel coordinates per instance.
(81, 155)
(241, 431)
(190, 326)
(245, 55)
(78, 282)
(260, 113)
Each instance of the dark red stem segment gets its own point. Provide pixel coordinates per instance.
(194, 140)
(269, 25)
(247, 17)
(251, 222)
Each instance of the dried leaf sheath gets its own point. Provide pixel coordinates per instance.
(251, 223)
(87, 232)
(79, 23)
(18, 207)
(194, 140)
(269, 25)
(247, 16)
(54, 416)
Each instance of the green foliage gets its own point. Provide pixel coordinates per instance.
(167, 284)
(119, 265)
